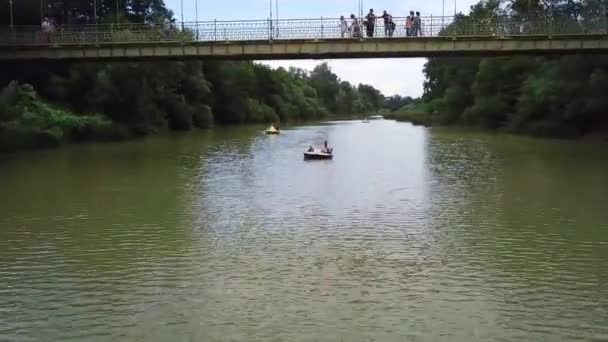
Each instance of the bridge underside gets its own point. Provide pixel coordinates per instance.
(314, 49)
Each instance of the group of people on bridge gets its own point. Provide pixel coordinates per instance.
(413, 25)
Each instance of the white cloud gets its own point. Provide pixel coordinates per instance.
(391, 76)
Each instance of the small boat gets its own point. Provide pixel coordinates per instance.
(318, 155)
(376, 117)
(272, 130)
(322, 154)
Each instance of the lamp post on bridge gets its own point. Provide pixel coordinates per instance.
(12, 19)
(276, 7)
(196, 11)
(196, 16)
(442, 14)
(182, 13)
(360, 9)
(270, 26)
(606, 16)
(95, 11)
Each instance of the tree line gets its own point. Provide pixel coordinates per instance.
(48, 103)
(559, 95)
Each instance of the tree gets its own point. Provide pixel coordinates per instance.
(557, 96)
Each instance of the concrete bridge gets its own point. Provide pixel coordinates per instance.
(306, 39)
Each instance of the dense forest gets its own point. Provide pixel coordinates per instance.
(45, 104)
(555, 95)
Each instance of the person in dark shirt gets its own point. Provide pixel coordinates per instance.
(391, 26)
(386, 17)
(326, 148)
(410, 24)
(371, 23)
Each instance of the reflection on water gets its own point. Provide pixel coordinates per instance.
(408, 234)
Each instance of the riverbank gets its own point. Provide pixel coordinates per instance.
(29, 122)
(135, 99)
(418, 119)
(547, 131)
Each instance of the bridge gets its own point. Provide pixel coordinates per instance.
(306, 39)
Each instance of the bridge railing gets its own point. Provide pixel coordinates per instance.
(298, 29)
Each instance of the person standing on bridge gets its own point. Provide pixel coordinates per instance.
(391, 26)
(418, 25)
(386, 20)
(371, 23)
(46, 27)
(355, 28)
(343, 26)
(409, 24)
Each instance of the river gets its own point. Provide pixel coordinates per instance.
(409, 234)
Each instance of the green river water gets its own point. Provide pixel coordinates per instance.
(409, 234)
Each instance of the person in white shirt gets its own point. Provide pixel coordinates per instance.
(343, 26)
(46, 30)
(355, 28)
(46, 25)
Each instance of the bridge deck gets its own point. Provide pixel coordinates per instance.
(305, 39)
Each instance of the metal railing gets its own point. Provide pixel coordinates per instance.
(297, 29)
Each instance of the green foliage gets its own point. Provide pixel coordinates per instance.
(203, 117)
(397, 102)
(28, 122)
(143, 98)
(371, 96)
(554, 96)
(260, 112)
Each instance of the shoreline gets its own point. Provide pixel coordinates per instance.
(420, 119)
(600, 136)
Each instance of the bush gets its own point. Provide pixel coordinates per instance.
(180, 116)
(27, 122)
(203, 117)
(488, 112)
(14, 138)
(261, 112)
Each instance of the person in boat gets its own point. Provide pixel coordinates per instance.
(274, 128)
(326, 148)
(310, 149)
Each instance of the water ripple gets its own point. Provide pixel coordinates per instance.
(409, 234)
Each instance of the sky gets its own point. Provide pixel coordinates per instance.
(402, 76)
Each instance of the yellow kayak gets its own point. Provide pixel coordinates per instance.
(272, 130)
